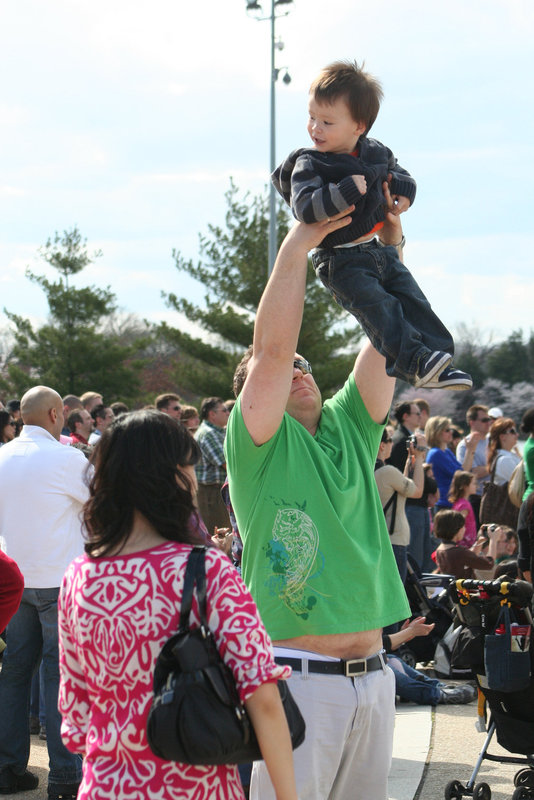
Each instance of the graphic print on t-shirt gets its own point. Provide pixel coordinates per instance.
(295, 560)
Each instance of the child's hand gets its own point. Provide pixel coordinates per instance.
(361, 183)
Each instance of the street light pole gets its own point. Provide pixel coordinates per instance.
(253, 5)
(272, 196)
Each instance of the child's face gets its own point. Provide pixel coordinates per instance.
(472, 487)
(332, 128)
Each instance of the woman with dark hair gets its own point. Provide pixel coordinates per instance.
(527, 426)
(121, 602)
(7, 427)
(502, 438)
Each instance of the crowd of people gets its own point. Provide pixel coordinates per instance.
(318, 504)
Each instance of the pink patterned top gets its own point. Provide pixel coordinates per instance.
(470, 536)
(115, 614)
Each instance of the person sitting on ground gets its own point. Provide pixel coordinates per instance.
(120, 603)
(449, 526)
(414, 686)
(463, 485)
(438, 433)
(345, 167)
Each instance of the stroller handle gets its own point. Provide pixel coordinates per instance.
(517, 592)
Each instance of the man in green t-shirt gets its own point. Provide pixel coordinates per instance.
(316, 555)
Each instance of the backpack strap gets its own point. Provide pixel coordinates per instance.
(392, 501)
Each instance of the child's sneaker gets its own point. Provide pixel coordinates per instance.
(450, 378)
(431, 367)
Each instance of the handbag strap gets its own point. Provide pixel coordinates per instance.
(195, 573)
(392, 499)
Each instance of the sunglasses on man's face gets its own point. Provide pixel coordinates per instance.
(304, 366)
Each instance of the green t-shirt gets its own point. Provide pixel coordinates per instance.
(317, 556)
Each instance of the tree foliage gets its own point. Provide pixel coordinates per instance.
(233, 270)
(72, 352)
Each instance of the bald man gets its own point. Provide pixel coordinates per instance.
(43, 487)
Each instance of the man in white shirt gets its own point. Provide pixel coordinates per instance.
(479, 420)
(42, 490)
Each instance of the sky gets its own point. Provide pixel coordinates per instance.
(128, 120)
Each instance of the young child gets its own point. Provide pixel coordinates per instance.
(449, 526)
(343, 168)
(464, 484)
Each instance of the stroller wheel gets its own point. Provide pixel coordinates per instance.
(408, 656)
(482, 792)
(521, 793)
(525, 777)
(454, 791)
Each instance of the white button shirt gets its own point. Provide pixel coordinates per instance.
(43, 486)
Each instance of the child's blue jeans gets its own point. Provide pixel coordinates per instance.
(371, 282)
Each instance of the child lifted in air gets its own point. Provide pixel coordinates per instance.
(344, 168)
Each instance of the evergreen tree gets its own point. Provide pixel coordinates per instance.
(71, 352)
(233, 270)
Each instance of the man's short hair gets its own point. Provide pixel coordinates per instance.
(72, 401)
(400, 410)
(472, 412)
(240, 374)
(188, 412)
(99, 411)
(208, 404)
(346, 80)
(422, 405)
(163, 400)
(87, 398)
(73, 418)
(119, 408)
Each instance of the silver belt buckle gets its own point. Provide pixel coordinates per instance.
(355, 667)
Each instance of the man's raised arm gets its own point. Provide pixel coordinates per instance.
(277, 327)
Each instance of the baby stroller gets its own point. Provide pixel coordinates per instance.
(436, 609)
(496, 641)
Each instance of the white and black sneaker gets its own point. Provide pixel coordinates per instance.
(450, 378)
(458, 695)
(431, 367)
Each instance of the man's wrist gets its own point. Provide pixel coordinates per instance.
(399, 245)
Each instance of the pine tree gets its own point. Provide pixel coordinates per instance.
(233, 270)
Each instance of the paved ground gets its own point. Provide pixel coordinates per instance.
(432, 747)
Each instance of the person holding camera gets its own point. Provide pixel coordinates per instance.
(449, 526)
(395, 486)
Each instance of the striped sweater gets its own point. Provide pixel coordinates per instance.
(319, 185)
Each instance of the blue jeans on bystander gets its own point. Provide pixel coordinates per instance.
(32, 631)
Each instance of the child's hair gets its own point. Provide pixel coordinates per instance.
(460, 481)
(447, 523)
(361, 91)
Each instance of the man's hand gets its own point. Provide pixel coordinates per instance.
(361, 183)
(400, 204)
(473, 439)
(391, 233)
(310, 236)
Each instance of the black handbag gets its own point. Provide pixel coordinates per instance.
(196, 716)
(496, 505)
